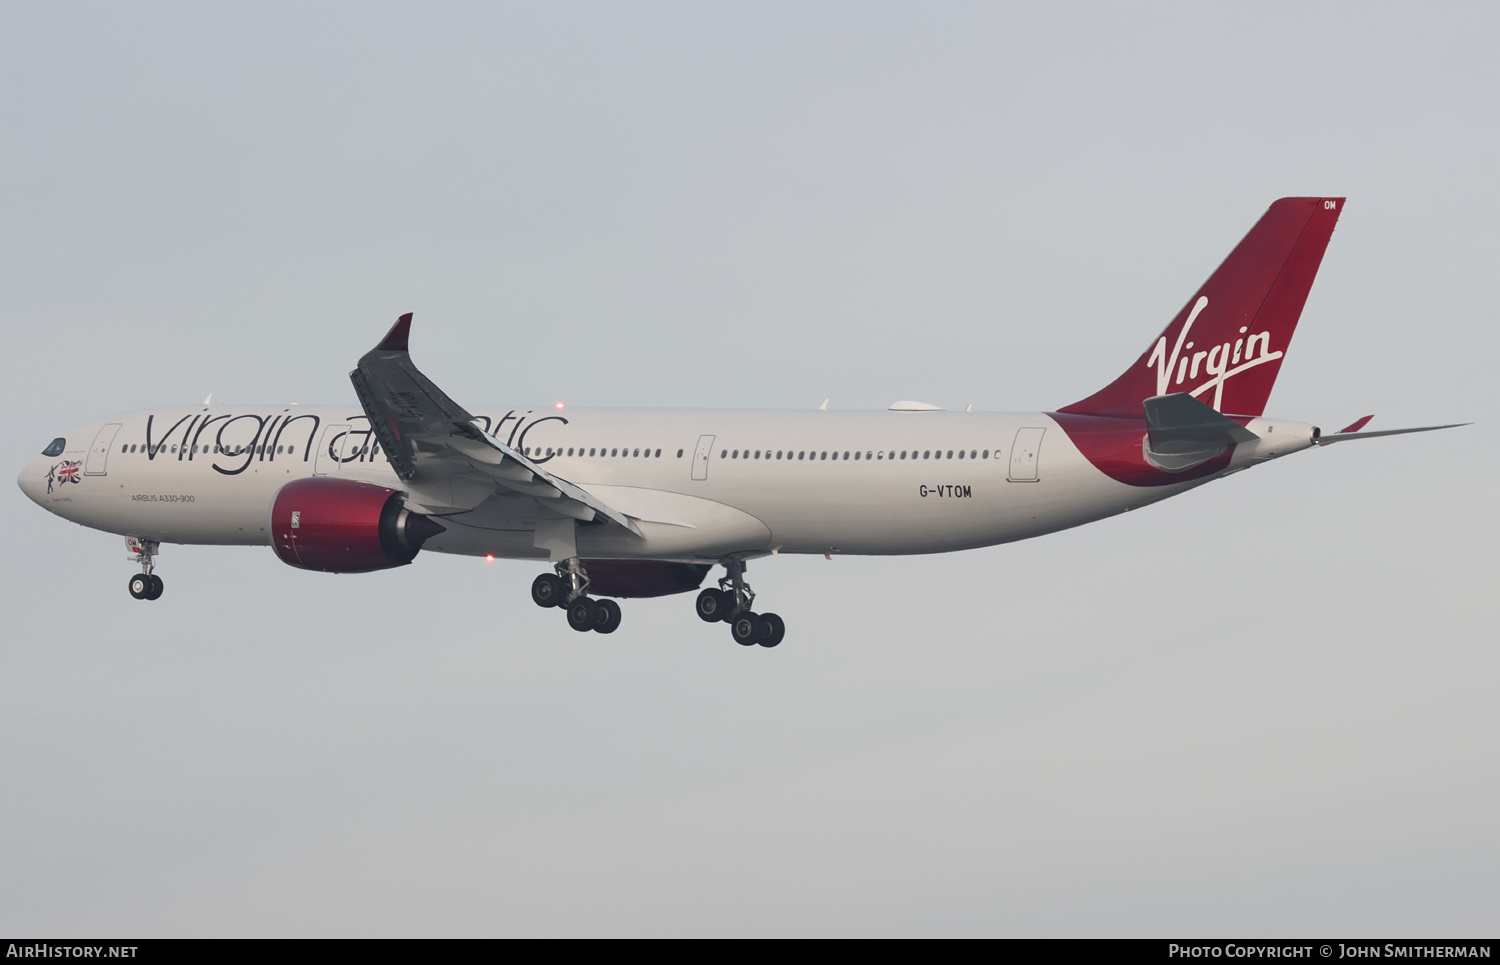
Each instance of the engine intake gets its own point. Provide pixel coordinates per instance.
(344, 526)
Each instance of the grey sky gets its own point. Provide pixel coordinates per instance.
(1264, 708)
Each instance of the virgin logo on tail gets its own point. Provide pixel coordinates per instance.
(1220, 363)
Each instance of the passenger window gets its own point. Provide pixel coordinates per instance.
(950, 453)
(637, 452)
(926, 453)
(801, 454)
(679, 453)
(658, 453)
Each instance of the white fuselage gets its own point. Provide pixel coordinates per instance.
(703, 484)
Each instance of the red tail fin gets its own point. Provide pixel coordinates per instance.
(1226, 346)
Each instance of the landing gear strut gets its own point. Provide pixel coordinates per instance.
(568, 588)
(145, 585)
(731, 602)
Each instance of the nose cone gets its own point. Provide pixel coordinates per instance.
(33, 480)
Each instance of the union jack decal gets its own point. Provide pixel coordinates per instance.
(64, 472)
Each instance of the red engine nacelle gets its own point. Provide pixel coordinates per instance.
(646, 578)
(343, 526)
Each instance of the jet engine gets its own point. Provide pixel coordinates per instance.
(629, 578)
(344, 526)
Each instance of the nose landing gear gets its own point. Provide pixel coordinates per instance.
(731, 602)
(145, 585)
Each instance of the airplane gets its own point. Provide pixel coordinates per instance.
(628, 503)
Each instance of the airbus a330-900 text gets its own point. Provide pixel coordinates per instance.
(627, 503)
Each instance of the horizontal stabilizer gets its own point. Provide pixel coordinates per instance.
(1346, 436)
(1180, 423)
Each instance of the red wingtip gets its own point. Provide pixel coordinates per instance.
(395, 339)
(1356, 425)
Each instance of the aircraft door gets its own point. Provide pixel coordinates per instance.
(701, 455)
(331, 450)
(1024, 455)
(98, 457)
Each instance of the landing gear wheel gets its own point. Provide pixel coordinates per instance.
(609, 616)
(583, 614)
(156, 587)
(140, 586)
(748, 629)
(714, 605)
(548, 590)
(775, 630)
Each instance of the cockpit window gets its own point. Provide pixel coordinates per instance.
(55, 447)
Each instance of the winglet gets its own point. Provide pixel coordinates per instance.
(1356, 425)
(395, 339)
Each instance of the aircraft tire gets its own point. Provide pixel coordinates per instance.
(548, 590)
(748, 629)
(713, 605)
(609, 616)
(775, 630)
(140, 586)
(583, 614)
(156, 587)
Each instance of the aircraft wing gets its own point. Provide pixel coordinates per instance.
(437, 448)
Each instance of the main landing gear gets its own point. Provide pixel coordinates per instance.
(145, 585)
(568, 588)
(731, 603)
